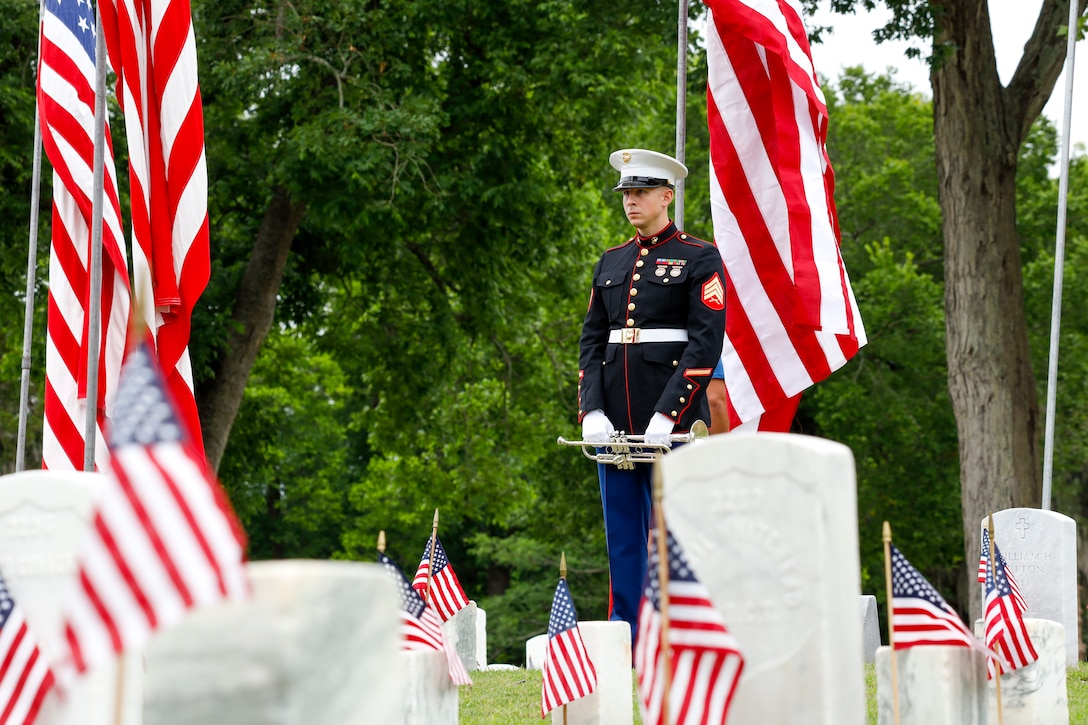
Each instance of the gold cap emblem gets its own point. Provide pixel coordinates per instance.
(626, 157)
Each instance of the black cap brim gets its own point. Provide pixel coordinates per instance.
(640, 182)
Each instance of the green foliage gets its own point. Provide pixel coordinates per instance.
(285, 471)
(880, 140)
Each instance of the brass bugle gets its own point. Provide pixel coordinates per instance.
(624, 451)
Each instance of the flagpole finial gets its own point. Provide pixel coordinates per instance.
(563, 565)
(886, 532)
(435, 524)
(990, 526)
(381, 541)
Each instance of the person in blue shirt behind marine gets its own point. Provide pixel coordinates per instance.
(651, 338)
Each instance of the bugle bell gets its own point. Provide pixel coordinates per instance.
(624, 451)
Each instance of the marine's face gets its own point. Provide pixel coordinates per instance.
(645, 207)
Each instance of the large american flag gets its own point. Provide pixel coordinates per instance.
(153, 48)
(1005, 630)
(705, 661)
(568, 672)
(446, 595)
(66, 105)
(920, 615)
(25, 677)
(792, 319)
(164, 538)
(419, 626)
(984, 565)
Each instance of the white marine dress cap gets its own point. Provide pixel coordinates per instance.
(643, 169)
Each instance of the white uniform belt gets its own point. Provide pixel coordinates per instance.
(636, 335)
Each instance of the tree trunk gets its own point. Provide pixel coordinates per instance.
(978, 128)
(254, 310)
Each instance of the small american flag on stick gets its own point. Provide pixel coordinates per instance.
(25, 677)
(920, 615)
(568, 672)
(1006, 633)
(446, 595)
(164, 538)
(984, 565)
(420, 629)
(706, 662)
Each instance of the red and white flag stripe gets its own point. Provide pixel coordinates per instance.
(792, 317)
(66, 105)
(152, 44)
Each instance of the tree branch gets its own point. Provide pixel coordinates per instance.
(1039, 67)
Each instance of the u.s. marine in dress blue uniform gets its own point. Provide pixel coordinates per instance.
(651, 338)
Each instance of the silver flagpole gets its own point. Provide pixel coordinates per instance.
(31, 272)
(681, 103)
(94, 311)
(1059, 261)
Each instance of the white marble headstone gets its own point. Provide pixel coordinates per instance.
(1040, 548)
(44, 516)
(1035, 694)
(430, 697)
(769, 524)
(535, 649)
(936, 685)
(316, 645)
(870, 627)
(462, 632)
(481, 638)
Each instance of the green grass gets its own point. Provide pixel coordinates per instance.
(505, 698)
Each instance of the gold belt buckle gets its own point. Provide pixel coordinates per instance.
(630, 335)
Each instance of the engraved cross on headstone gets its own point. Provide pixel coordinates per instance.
(1022, 527)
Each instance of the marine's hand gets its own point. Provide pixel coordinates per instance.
(596, 427)
(659, 430)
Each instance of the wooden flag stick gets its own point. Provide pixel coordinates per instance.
(381, 541)
(993, 572)
(663, 582)
(430, 557)
(886, 534)
(119, 691)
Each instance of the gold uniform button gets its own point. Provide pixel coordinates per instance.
(675, 363)
(644, 252)
(689, 386)
(639, 263)
(674, 414)
(630, 323)
(637, 277)
(681, 400)
(634, 291)
(683, 236)
(631, 306)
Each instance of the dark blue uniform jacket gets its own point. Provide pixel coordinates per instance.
(671, 282)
